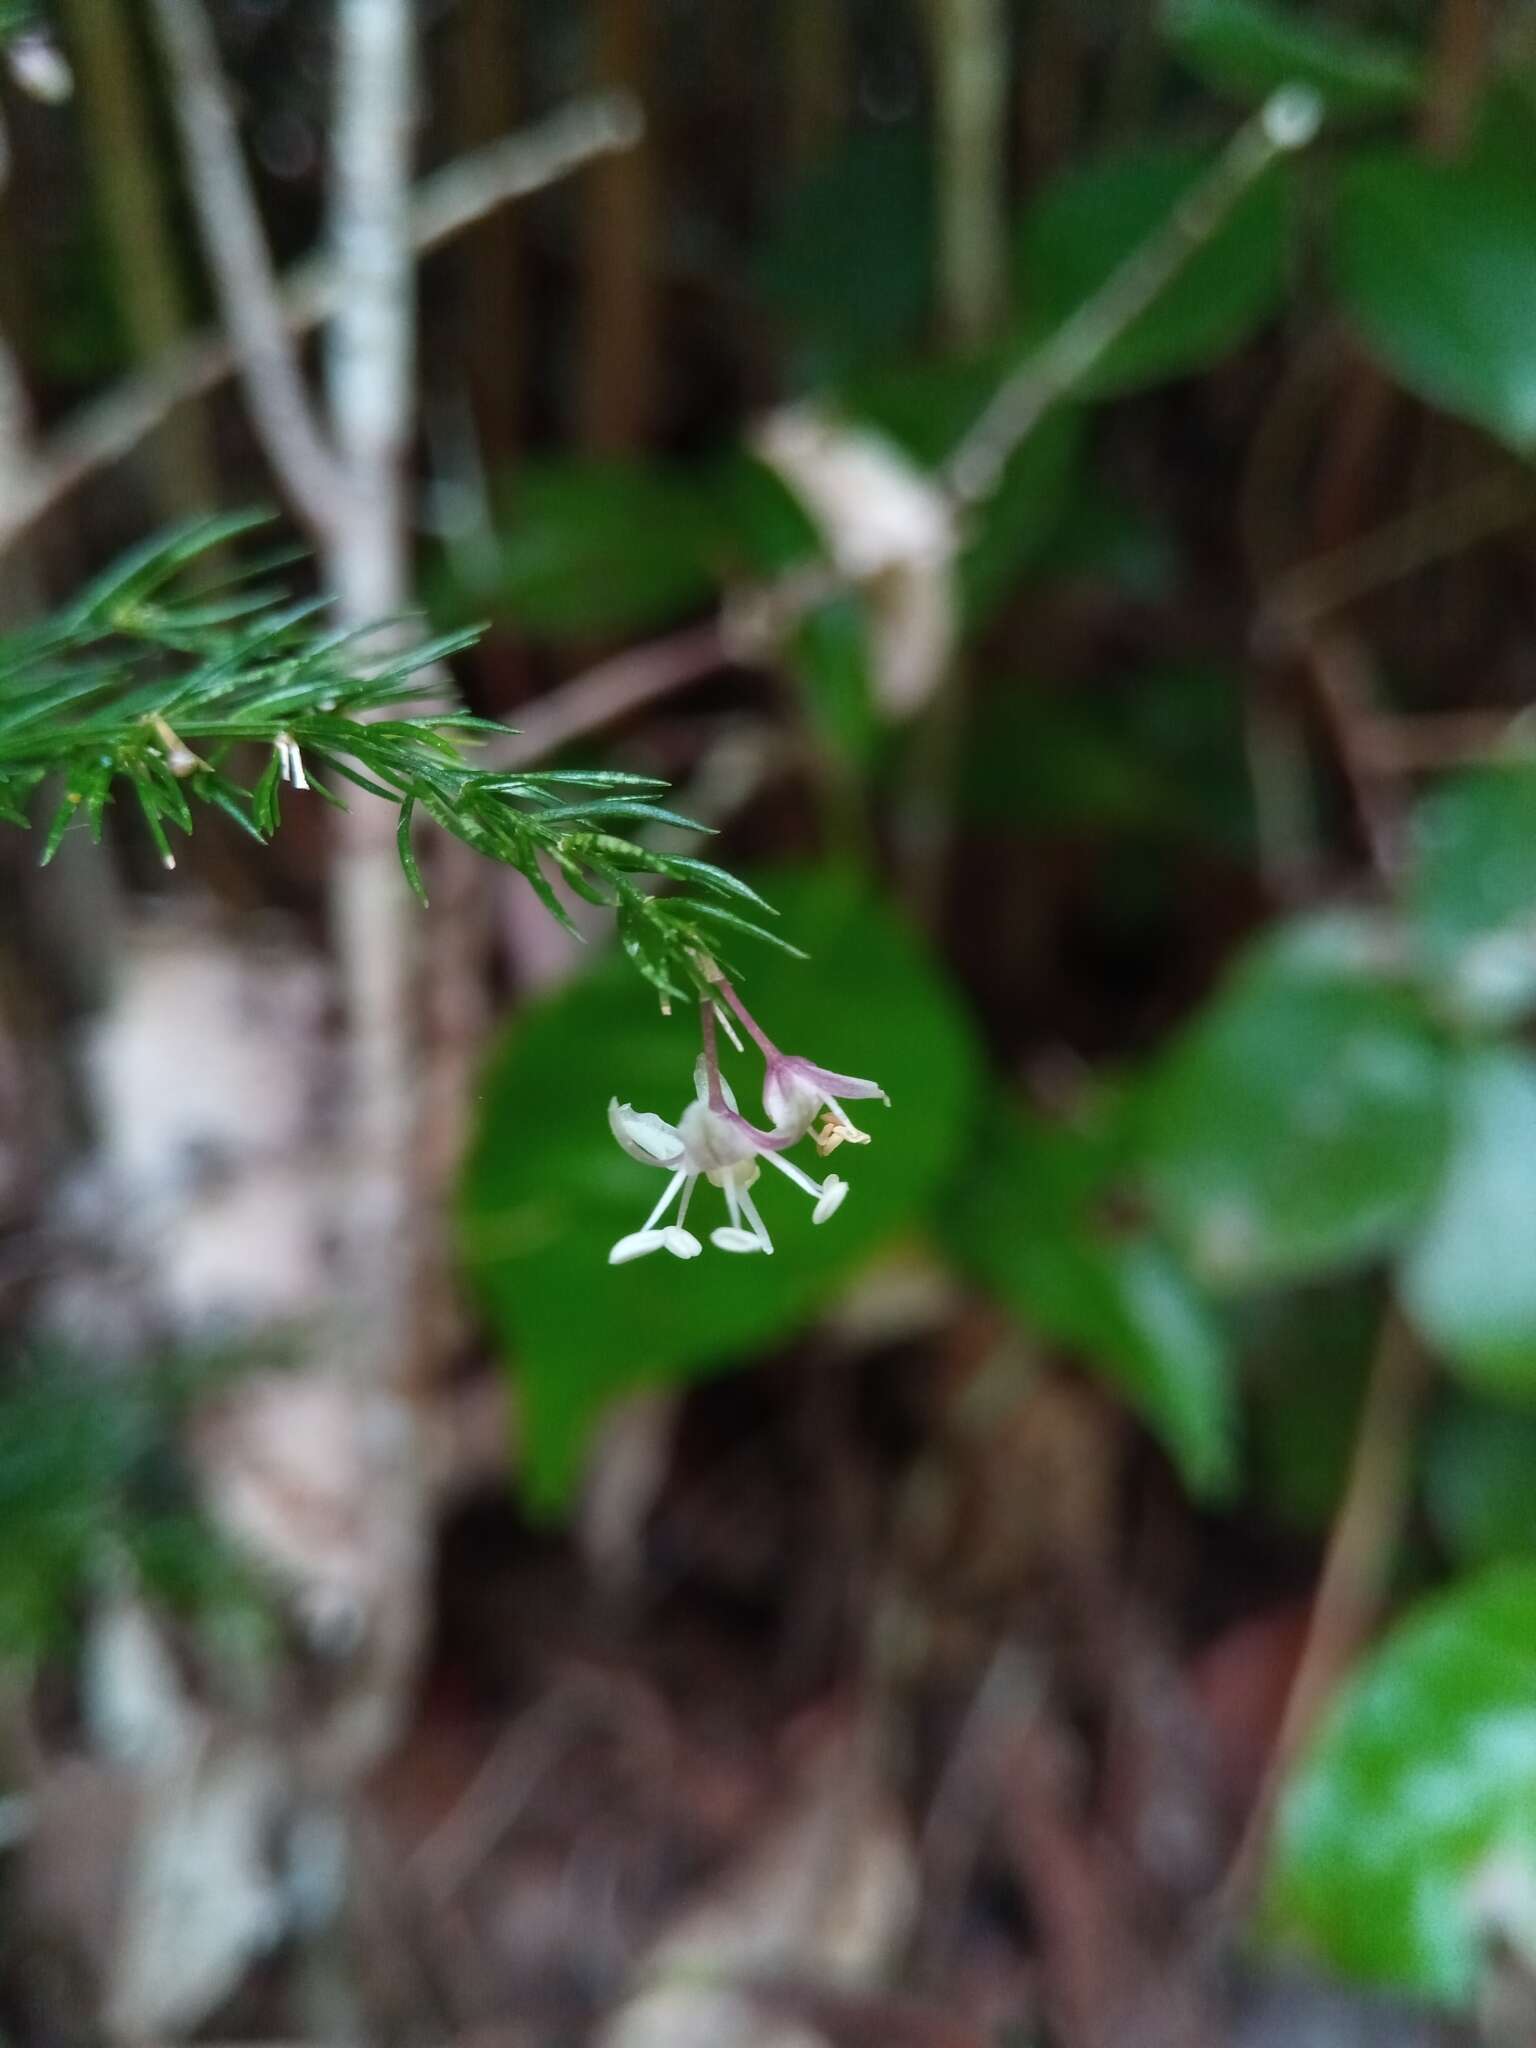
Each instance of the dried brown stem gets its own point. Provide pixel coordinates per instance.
(1353, 1584)
(602, 695)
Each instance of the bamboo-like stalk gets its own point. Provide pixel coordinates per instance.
(370, 356)
(486, 86)
(131, 200)
(620, 306)
(970, 75)
(817, 63)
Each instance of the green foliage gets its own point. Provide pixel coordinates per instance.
(1472, 893)
(1306, 1354)
(1032, 1217)
(1469, 1279)
(1298, 1124)
(593, 547)
(1420, 1791)
(1435, 264)
(203, 698)
(547, 1190)
(1094, 215)
(1251, 48)
(1479, 1458)
(849, 262)
(87, 1484)
(1159, 757)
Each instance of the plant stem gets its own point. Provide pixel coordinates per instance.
(1353, 1584)
(1286, 122)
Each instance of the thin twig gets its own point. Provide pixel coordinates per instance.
(1286, 122)
(240, 264)
(1340, 672)
(1352, 1588)
(1300, 597)
(1446, 739)
(610, 691)
(447, 202)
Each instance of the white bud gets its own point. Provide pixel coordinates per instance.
(39, 67)
(1292, 116)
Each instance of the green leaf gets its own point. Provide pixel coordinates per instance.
(1094, 215)
(1480, 1480)
(1297, 1125)
(1421, 1785)
(1469, 1279)
(1025, 1219)
(849, 261)
(1306, 1354)
(1472, 892)
(830, 657)
(596, 547)
(405, 850)
(547, 1191)
(1250, 48)
(1435, 264)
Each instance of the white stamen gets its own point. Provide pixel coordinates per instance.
(832, 1196)
(800, 1178)
(636, 1246)
(665, 1203)
(730, 1239)
(756, 1221)
(682, 1244)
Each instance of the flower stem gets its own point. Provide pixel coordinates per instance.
(759, 1037)
(711, 1053)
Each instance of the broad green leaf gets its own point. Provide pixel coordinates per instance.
(1026, 1218)
(849, 262)
(1296, 1125)
(547, 1190)
(1480, 1479)
(1435, 264)
(1096, 214)
(1469, 1278)
(1419, 1792)
(1251, 48)
(1472, 891)
(589, 547)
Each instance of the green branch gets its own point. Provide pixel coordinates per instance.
(222, 699)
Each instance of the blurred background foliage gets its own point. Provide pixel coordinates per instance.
(1160, 823)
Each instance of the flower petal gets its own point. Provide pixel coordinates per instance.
(644, 1135)
(701, 1083)
(846, 1086)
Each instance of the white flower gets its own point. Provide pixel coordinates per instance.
(719, 1145)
